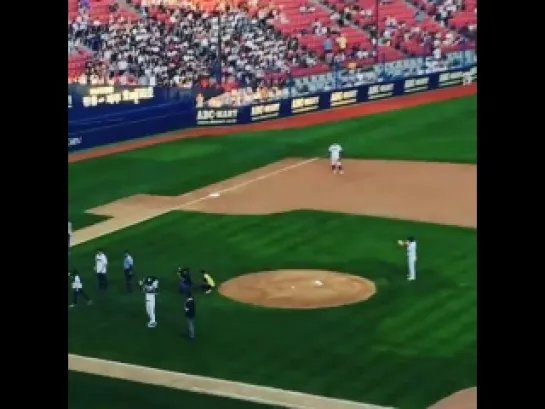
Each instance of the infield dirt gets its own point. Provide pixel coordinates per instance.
(298, 289)
(442, 193)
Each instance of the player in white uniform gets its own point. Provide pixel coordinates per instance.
(335, 151)
(410, 243)
(150, 286)
(101, 267)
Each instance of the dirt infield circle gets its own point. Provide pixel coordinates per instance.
(298, 289)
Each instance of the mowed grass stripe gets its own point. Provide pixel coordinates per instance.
(437, 330)
(430, 333)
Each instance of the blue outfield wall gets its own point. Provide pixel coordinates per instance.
(113, 116)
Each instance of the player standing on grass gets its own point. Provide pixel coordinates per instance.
(128, 269)
(410, 243)
(77, 289)
(101, 266)
(150, 287)
(190, 312)
(186, 283)
(335, 152)
(208, 283)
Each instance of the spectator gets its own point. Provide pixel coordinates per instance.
(328, 45)
(341, 42)
(113, 6)
(316, 26)
(307, 8)
(437, 54)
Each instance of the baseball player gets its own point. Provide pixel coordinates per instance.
(77, 289)
(150, 287)
(186, 283)
(190, 312)
(335, 152)
(101, 266)
(128, 269)
(208, 283)
(410, 244)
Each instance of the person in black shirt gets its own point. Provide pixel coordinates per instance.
(190, 315)
(185, 280)
(128, 269)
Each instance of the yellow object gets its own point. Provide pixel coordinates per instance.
(400, 242)
(209, 280)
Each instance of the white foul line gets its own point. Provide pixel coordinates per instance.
(210, 386)
(143, 218)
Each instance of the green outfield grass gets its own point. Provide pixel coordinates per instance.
(96, 392)
(408, 346)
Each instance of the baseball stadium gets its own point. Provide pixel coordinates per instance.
(272, 204)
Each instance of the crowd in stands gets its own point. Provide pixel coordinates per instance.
(237, 51)
(179, 46)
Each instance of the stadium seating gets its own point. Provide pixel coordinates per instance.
(465, 15)
(399, 32)
(99, 11)
(76, 61)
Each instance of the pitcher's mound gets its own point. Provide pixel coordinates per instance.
(303, 289)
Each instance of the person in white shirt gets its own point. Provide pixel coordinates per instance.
(410, 244)
(101, 266)
(150, 286)
(335, 151)
(467, 78)
(77, 289)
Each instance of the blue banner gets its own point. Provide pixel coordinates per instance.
(164, 114)
(327, 100)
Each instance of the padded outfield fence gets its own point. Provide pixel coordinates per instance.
(101, 115)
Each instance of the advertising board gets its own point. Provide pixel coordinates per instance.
(165, 117)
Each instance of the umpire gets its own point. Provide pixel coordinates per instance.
(190, 312)
(128, 269)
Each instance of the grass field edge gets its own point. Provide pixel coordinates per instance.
(77, 240)
(209, 386)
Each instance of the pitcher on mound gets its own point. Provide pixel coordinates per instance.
(335, 152)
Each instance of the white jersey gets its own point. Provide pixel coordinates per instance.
(151, 289)
(411, 250)
(335, 152)
(101, 263)
(76, 283)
